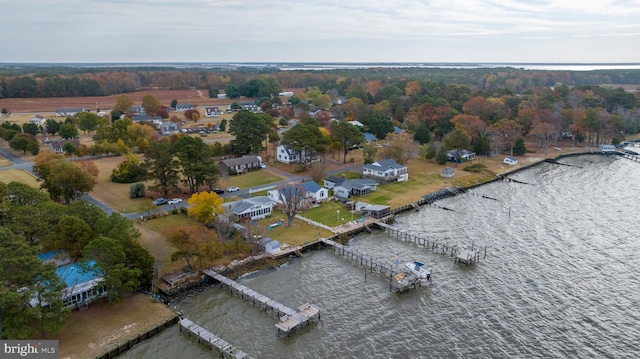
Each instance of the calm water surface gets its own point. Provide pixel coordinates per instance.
(559, 281)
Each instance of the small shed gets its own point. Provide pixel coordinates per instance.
(272, 247)
(607, 148)
(447, 172)
(511, 161)
(377, 211)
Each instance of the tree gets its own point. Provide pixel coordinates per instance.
(130, 170)
(52, 126)
(347, 135)
(250, 130)
(304, 139)
(379, 125)
(291, 201)
(68, 131)
(110, 258)
(196, 161)
(72, 234)
(232, 91)
(173, 104)
(205, 206)
(88, 122)
(150, 104)
(223, 125)
(422, 134)
(441, 155)
(123, 104)
(458, 141)
(519, 148)
(369, 151)
(161, 167)
(198, 246)
(61, 178)
(30, 128)
(400, 146)
(25, 142)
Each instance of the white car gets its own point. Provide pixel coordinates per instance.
(175, 201)
(233, 189)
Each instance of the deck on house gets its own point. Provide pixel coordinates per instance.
(289, 318)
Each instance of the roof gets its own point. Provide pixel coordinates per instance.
(397, 129)
(384, 165)
(358, 183)
(370, 137)
(245, 204)
(59, 144)
(356, 123)
(335, 179)
(74, 274)
(238, 161)
(137, 118)
(462, 152)
(310, 186)
(184, 105)
(376, 207)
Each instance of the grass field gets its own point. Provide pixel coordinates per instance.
(22, 176)
(4, 161)
(327, 213)
(299, 233)
(250, 179)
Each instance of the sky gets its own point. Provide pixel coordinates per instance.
(459, 31)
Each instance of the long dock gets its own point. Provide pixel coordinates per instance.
(289, 318)
(396, 277)
(213, 341)
(459, 255)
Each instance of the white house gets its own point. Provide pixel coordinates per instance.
(70, 111)
(212, 111)
(169, 128)
(288, 155)
(251, 208)
(38, 120)
(607, 148)
(332, 181)
(511, 161)
(156, 120)
(386, 170)
(182, 107)
(136, 110)
(311, 191)
(465, 155)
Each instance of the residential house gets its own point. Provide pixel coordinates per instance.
(182, 107)
(386, 170)
(356, 123)
(251, 208)
(332, 181)
(250, 106)
(289, 155)
(310, 189)
(370, 137)
(464, 155)
(607, 148)
(357, 187)
(156, 120)
(136, 110)
(211, 111)
(58, 145)
(398, 130)
(511, 161)
(69, 112)
(240, 164)
(169, 128)
(37, 120)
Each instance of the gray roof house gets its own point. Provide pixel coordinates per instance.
(333, 181)
(465, 155)
(58, 146)
(184, 107)
(69, 111)
(311, 191)
(38, 120)
(240, 164)
(357, 187)
(251, 208)
(169, 128)
(386, 170)
(156, 120)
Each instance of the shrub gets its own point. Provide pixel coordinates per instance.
(137, 190)
(476, 168)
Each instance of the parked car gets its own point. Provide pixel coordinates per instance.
(175, 201)
(218, 191)
(233, 189)
(160, 201)
(262, 165)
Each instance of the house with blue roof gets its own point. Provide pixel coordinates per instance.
(370, 137)
(386, 170)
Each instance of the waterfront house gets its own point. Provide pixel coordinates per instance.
(376, 211)
(332, 181)
(456, 155)
(311, 191)
(240, 164)
(356, 187)
(251, 208)
(386, 170)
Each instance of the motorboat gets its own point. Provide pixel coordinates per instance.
(418, 269)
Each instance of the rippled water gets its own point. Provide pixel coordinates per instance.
(559, 280)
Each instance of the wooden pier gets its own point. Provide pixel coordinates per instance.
(459, 255)
(213, 341)
(397, 278)
(289, 318)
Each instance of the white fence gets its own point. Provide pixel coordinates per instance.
(314, 223)
(251, 190)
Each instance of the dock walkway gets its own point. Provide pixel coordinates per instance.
(374, 265)
(204, 336)
(289, 318)
(458, 254)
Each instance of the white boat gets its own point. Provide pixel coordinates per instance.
(418, 269)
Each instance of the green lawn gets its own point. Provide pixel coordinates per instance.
(251, 179)
(300, 233)
(327, 213)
